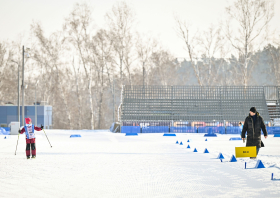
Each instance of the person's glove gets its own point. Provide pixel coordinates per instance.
(19, 131)
(42, 127)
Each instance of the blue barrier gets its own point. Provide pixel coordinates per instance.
(187, 129)
(155, 129)
(276, 135)
(210, 135)
(130, 129)
(276, 132)
(3, 131)
(7, 128)
(220, 130)
(273, 130)
(233, 130)
(235, 138)
(169, 134)
(131, 134)
(75, 135)
(184, 129)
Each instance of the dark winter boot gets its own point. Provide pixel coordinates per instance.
(34, 156)
(28, 156)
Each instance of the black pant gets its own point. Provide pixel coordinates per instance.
(33, 147)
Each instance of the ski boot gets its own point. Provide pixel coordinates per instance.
(28, 156)
(33, 156)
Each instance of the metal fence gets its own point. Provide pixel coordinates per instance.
(272, 93)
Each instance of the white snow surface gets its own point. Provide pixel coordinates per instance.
(105, 164)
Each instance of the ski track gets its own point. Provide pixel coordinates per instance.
(105, 164)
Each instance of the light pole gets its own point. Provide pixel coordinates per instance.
(22, 85)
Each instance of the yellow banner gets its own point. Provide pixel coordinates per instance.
(248, 151)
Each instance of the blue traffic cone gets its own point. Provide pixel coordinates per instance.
(259, 164)
(181, 143)
(220, 156)
(194, 150)
(206, 151)
(233, 159)
(188, 146)
(188, 141)
(206, 139)
(177, 142)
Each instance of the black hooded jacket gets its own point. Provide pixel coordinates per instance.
(254, 130)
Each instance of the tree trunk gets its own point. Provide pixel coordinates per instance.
(100, 100)
(90, 101)
(78, 97)
(64, 99)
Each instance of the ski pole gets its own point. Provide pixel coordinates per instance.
(17, 144)
(47, 138)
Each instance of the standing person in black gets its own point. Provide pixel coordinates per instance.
(253, 125)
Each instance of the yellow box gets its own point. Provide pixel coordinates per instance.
(248, 151)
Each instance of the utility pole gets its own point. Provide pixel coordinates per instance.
(36, 104)
(18, 96)
(22, 86)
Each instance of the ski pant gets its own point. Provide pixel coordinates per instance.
(30, 143)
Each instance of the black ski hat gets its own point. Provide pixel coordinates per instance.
(253, 109)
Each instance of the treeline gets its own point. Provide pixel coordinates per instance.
(80, 70)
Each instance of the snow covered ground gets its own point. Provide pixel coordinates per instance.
(105, 164)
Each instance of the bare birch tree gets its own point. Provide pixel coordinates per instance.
(52, 50)
(184, 32)
(145, 49)
(77, 76)
(211, 42)
(78, 32)
(247, 20)
(120, 22)
(163, 68)
(6, 66)
(103, 52)
(274, 63)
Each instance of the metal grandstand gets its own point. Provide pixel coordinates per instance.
(169, 104)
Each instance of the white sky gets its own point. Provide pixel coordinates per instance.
(155, 17)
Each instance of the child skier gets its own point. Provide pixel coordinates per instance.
(30, 137)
